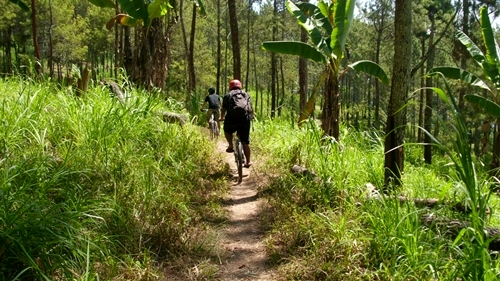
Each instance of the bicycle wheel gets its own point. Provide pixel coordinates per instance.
(212, 130)
(239, 160)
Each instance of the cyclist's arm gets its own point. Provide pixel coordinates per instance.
(203, 105)
(222, 113)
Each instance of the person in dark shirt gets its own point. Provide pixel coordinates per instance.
(214, 105)
(240, 124)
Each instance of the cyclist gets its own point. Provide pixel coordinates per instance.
(214, 105)
(235, 122)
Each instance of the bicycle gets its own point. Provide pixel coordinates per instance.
(212, 125)
(239, 155)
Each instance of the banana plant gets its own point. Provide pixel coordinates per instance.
(489, 63)
(327, 25)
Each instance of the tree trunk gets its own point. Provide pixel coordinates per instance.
(192, 73)
(38, 68)
(249, 27)
(219, 56)
(8, 51)
(235, 40)
(421, 97)
(148, 66)
(396, 113)
(331, 107)
(464, 52)
(274, 68)
(51, 46)
(303, 72)
(117, 44)
(428, 99)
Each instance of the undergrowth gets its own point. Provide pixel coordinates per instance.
(96, 189)
(332, 224)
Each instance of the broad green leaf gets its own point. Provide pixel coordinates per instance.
(371, 68)
(460, 74)
(20, 4)
(123, 20)
(306, 23)
(473, 50)
(344, 13)
(491, 64)
(320, 20)
(103, 3)
(295, 48)
(489, 106)
(137, 9)
(158, 8)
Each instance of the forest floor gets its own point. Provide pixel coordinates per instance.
(245, 257)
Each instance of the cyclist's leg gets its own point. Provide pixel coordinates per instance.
(244, 133)
(217, 117)
(209, 116)
(229, 129)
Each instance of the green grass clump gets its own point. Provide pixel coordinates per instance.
(92, 188)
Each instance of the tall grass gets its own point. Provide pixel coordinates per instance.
(331, 227)
(93, 189)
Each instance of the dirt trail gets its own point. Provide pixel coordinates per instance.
(245, 257)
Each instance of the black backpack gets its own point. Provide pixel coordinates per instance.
(238, 103)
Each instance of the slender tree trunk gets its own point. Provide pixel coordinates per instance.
(51, 46)
(428, 99)
(303, 72)
(421, 98)
(235, 40)
(192, 72)
(396, 113)
(274, 68)
(464, 52)
(219, 56)
(38, 68)
(377, 83)
(186, 45)
(282, 90)
(117, 44)
(8, 51)
(249, 27)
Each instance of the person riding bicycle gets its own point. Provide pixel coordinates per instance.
(214, 105)
(237, 112)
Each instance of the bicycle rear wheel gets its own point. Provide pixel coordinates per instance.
(239, 160)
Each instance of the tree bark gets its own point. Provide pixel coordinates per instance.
(38, 68)
(235, 40)
(192, 73)
(219, 56)
(303, 72)
(428, 99)
(51, 46)
(331, 106)
(396, 119)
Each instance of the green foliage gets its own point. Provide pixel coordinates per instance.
(88, 184)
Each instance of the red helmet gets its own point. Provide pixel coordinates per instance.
(234, 84)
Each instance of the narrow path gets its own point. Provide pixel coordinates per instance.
(245, 257)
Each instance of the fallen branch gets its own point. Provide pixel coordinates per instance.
(455, 226)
